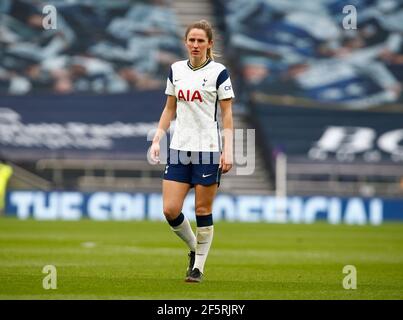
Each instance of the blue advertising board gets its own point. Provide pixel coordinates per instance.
(78, 126)
(344, 136)
(244, 208)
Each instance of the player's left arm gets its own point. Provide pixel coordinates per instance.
(226, 159)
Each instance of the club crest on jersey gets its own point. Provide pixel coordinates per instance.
(190, 96)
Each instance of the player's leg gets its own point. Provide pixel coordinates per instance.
(204, 197)
(173, 195)
(175, 186)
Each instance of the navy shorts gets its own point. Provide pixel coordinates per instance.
(193, 167)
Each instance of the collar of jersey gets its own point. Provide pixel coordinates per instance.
(199, 67)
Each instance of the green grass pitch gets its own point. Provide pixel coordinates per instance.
(251, 261)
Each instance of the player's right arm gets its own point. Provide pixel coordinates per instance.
(167, 116)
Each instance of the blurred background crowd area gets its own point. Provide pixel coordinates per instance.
(327, 96)
(284, 48)
(98, 46)
(123, 45)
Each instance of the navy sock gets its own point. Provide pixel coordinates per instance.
(177, 221)
(204, 221)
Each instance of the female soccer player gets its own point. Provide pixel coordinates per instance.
(196, 157)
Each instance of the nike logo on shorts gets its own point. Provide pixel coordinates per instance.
(206, 175)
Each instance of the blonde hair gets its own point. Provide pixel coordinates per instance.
(203, 25)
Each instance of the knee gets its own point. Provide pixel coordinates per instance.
(203, 210)
(171, 212)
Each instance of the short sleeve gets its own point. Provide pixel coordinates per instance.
(224, 86)
(170, 89)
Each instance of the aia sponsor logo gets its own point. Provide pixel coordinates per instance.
(189, 95)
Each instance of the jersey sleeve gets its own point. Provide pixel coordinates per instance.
(224, 86)
(170, 89)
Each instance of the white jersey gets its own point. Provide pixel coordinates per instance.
(197, 91)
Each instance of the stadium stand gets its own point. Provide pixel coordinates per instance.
(306, 53)
(97, 47)
(329, 98)
(71, 97)
(77, 102)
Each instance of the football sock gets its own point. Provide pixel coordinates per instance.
(204, 236)
(183, 229)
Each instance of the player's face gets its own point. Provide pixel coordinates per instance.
(197, 43)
